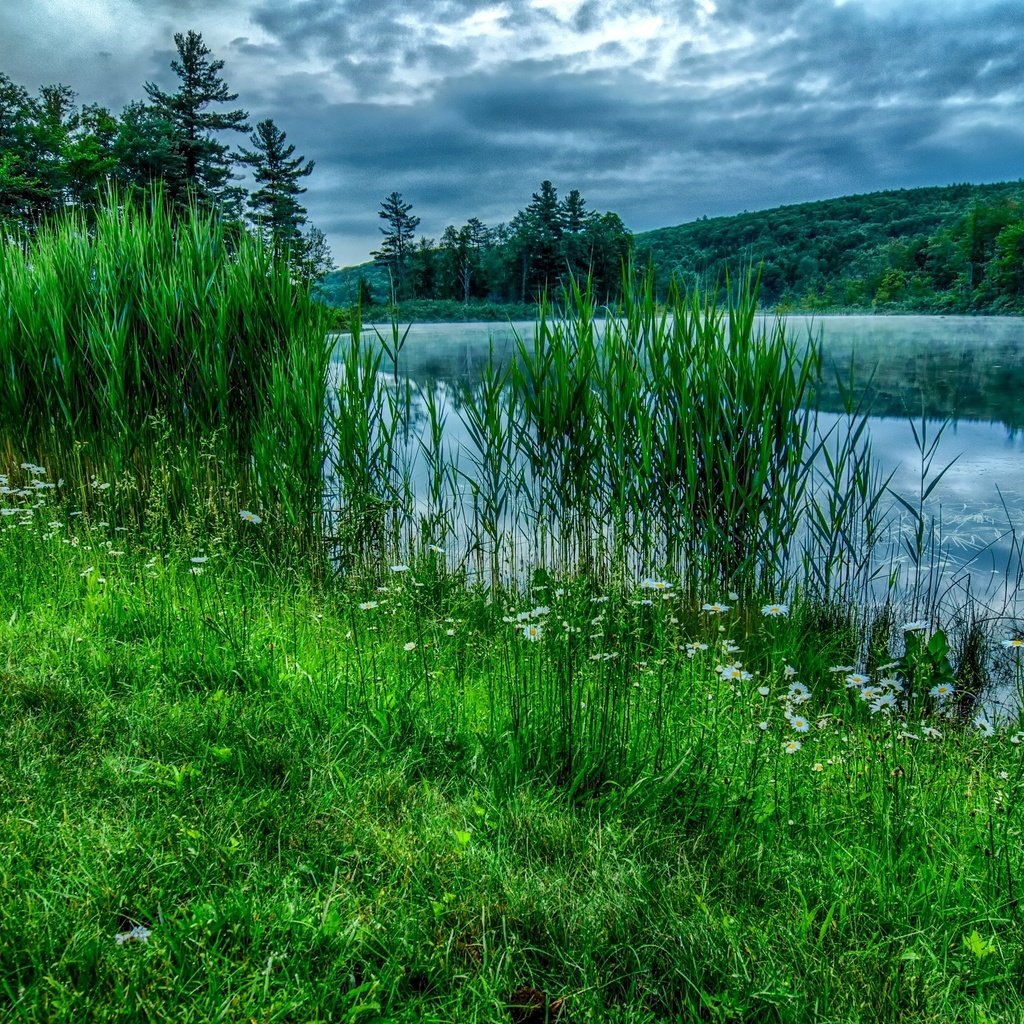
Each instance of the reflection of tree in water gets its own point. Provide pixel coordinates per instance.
(942, 376)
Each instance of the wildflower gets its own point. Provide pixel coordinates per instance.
(799, 723)
(1016, 738)
(1014, 642)
(857, 679)
(85, 572)
(818, 767)
(652, 584)
(869, 693)
(733, 595)
(196, 570)
(763, 726)
(599, 600)
(892, 683)
(399, 568)
(930, 733)
(249, 517)
(775, 610)
(735, 672)
(410, 646)
(942, 690)
(366, 606)
(798, 693)
(541, 609)
(788, 672)
(199, 559)
(917, 626)
(533, 631)
(137, 934)
(436, 548)
(908, 736)
(792, 746)
(841, 669)
(730, 648)
(984, 726)
(883, 702)
(763, 690)
(450, 632)
(716, 609)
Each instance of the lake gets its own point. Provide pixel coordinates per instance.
(958, 378)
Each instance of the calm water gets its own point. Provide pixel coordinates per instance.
(964, 372)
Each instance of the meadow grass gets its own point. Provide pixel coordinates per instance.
(234, 793)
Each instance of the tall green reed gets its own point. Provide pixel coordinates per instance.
(672, 436)
(145, 329)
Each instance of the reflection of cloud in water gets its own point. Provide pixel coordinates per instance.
(977, 507)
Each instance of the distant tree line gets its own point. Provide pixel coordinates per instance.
(57, 155)
(537, 251)
(954, 249)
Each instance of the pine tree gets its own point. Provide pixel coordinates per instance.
(273, 206)
(204, 168)
(398, 238)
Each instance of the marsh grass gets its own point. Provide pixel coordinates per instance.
(144, 342)
(673, 436)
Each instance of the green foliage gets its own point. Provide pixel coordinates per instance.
(55, 156)
(546, 245)
(927, 249)
(201, 166)
(143, 331)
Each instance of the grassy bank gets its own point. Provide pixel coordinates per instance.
(601, 720)
(230, 793)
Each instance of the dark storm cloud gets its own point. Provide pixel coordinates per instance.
(764, 102)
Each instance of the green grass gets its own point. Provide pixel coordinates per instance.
(315, 823)
(148, 338)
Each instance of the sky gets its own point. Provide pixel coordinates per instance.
(661, 110)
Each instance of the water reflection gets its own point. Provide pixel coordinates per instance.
(969, 371)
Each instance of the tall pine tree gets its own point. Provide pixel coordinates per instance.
(273, 206)
(398, 239)
(204, 167)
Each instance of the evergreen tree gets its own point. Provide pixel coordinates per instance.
(538, 230)
(398, 239)
(273, 206)
(144, 149)
(21, 188)
(204, 168)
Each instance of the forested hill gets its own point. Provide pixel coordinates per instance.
(958, 248)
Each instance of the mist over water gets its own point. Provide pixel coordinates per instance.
(955, 381)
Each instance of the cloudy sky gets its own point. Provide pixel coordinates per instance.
(662, 110)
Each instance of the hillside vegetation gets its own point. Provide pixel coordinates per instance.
(958, 248)
(951, 249)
